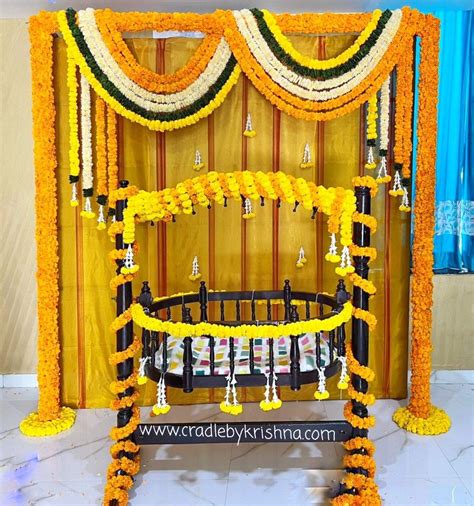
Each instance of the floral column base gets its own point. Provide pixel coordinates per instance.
(437, 423)
(32, 426)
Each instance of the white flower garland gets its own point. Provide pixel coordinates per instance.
(304, 87)
(382, 176)
(86, 135)
(148, 100)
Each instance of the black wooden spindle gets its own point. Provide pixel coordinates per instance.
(341, 337)
(164, 341)
(237, 310)
(168, 313)
(321, 309)
(251, 356)
(203, 301)
(287, 298)
(308, 310)
(254, 317)
(231, 356)
(331, 346)
(317, 337)
(269, 309)
(187, 356)
(222, 311)
(294, 354)
(271, 357)
(146, 300)
(153, 347)
(212, 358)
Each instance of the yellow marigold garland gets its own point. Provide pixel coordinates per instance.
(123, 446)
(120, 279)
(366, 316)
(357, 443)
(364, 461)
(357, 421)
(120, 322)
(112, 150)
(367, 181)
(367, 399)
(120, 356)
(359, 251)
(74, 144)
(362, 283)
(367, 220)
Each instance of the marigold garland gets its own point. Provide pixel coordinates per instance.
(126, 446)
(357, 421)
(358, 443)
(120, 356)
(101, 149)
(125, 402)
(362, 283)
(112, 150)
(119, 322)
(359, 251)
(367, 181)
(364, 461)
(49, 414)
(366, 399)
(361, 370)
(120, 279)
(367, 220)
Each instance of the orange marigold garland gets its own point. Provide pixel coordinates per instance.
(421, 416)
(101, 160)
(112, 153)
(50, 418)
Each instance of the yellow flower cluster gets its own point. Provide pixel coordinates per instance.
(437, 422)
(74, 163)
(33, 426)
(372, 115)
(321, 64)
(182, 330)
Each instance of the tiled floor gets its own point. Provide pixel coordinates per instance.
(69, 469)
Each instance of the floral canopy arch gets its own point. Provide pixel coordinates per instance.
(252, 42)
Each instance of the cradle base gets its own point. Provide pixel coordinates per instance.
(242, 432)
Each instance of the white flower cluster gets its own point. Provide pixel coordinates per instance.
(306, 88)
(384, 113)
(86, 135)
(154, 102)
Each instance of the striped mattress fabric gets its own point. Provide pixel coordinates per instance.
(200, 346)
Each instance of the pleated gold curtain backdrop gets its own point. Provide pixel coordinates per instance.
(233, 253)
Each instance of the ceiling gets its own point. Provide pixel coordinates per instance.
(26, 8)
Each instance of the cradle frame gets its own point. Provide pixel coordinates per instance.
(359, 341)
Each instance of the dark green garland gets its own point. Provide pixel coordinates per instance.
(302, 70)
(113, 91)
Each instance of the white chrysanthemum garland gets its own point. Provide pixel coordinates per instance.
(304, 87)
(86, 148)
(148, 100)
(383, 176)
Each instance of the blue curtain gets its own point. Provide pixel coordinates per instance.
(454, 229)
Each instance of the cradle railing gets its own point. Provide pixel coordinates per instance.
(243, 308)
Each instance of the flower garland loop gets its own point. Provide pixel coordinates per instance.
(121, 356)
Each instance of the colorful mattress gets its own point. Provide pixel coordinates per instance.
(307, 345)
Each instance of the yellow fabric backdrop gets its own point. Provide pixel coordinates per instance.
(233, 253)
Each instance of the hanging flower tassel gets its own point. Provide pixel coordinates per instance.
(397, 190)
(198, 163)
(276, 401)
(161, 407)
(266, 404)
(343, 383)
(142, 378)
(87, 211)
(249, 131)
(236, 408)
(195, 274)
(225, 406)
(101, 218)
(74, 201)
(321, 393)
(370, 164)
(129, 266)
(405, 205)
(382, 176)
(332, 255)
(346, 266)
(248, 210)
(306, 163)
(301, 259)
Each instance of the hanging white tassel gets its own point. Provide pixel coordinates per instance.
(405, 205)
(248, 210)
(87, 211)
(265, 404)
(101, 218)
(198, 163)
(370, 159)
(161, 407)
(382, 176)
(195, 274)
(306, 163)
(142, 378)
(225, 406)
(232, 408)
(343, 382)
(276, 401)
(74, 201)
(397, 190)
(345, 266)
(321, 393)
(236, 408)
(129, 266)
(301, 258)
(332, 255)
(249, 131)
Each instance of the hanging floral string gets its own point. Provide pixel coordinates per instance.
(198, 163)
(306, 162)
(195, 273)
(249, 131)
(301, 258)
(371, 131)
(86, 145)
(74, 145)
(101, 159)
(382, 176)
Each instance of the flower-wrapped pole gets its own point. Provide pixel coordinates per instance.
(126, 462)
(358, 485)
